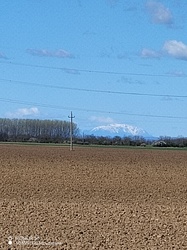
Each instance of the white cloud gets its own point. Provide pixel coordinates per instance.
(20, 113)
(172, 48)
(176, 49)
(50, 53)
(101, 119)
(148, 53)
(28, 111)
(159, 13)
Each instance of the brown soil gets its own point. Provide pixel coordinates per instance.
(92, 198)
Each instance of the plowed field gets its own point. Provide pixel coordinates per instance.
(92, 198)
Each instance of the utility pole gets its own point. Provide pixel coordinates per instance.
(71, 130)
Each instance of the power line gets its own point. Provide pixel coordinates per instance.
(92, 90)
(86, 70)
(89, 110)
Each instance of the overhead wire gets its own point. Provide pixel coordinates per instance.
(89, 110)
(87, 70)
(91, 90)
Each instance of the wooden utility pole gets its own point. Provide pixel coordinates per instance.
(71, 131)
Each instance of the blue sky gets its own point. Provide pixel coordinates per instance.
(107, 61)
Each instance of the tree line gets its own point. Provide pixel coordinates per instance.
(57, 131)
(162, 141)
(106, 140)
(35, 130)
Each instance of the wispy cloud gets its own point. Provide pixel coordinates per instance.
(89, 33)
(170, 99)
(60, 53)
(176, 49)
(177, 73)
(123, 56)
(101, 119)
(2, 55)
(79, 3)
(149, 53)
(112, 3)
(108, 52)
(130, 9)
(23, 112)
(71, 71)
(131, 6)
(124, 79)
(159, 13)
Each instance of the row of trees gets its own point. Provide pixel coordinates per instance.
(59, 131)
(117, 140)
(39, 130)
(133, 141)
(174, 142)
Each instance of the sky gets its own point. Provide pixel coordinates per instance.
(107, 61)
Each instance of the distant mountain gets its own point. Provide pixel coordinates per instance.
(121, 130)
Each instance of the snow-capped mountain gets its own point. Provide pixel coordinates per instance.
(118, 130)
